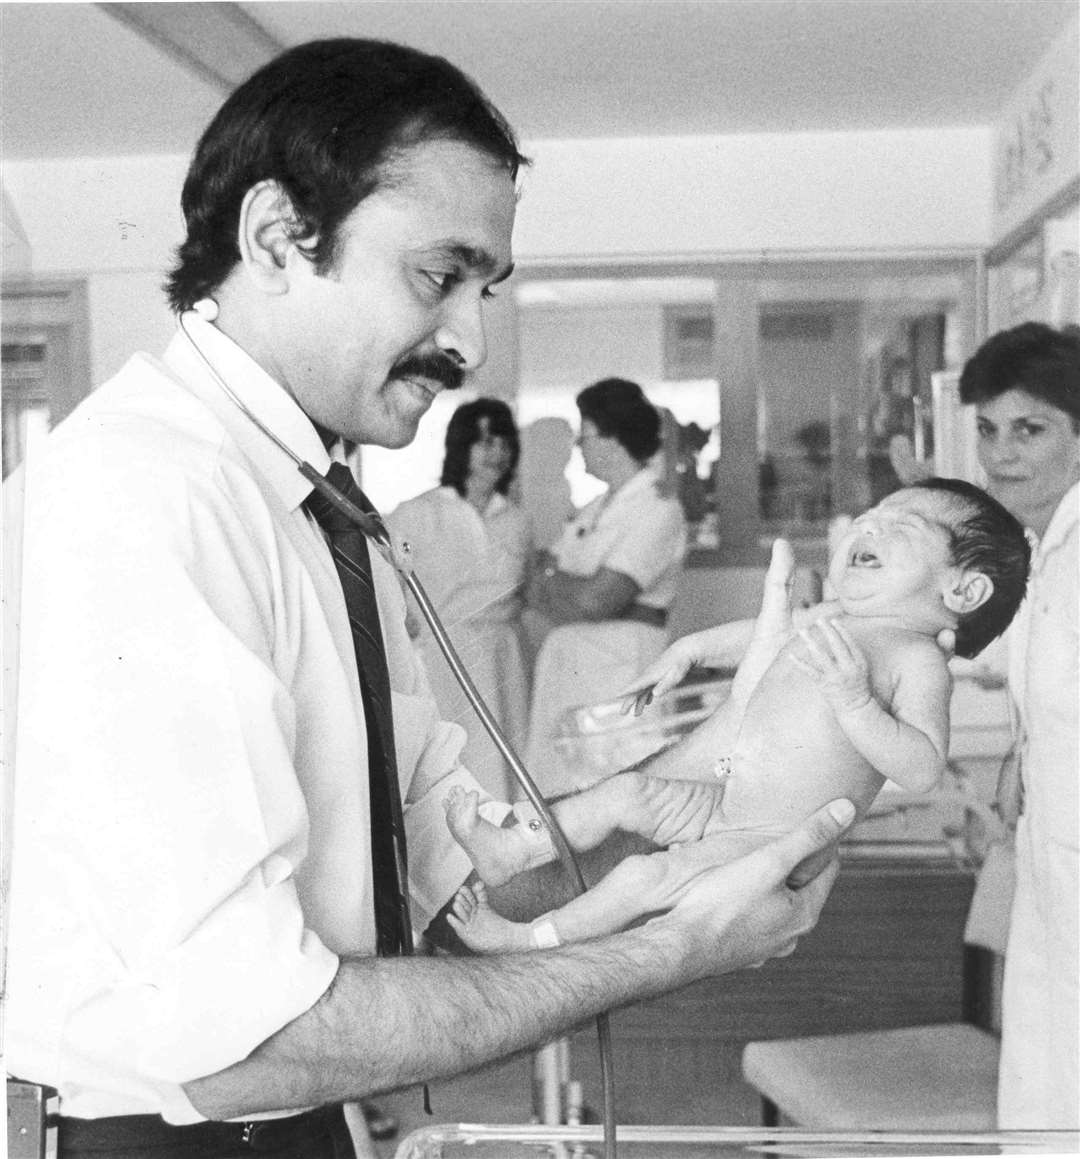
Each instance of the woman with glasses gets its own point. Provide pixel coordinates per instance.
(605, 587)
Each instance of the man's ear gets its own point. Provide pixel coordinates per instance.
(265, 236)
(968, 591)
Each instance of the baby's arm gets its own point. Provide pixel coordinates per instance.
(908, 743)
(750, 645)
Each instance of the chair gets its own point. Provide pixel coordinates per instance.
(940, 1077)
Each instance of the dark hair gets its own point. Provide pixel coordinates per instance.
(1031, 357)
(325, 120)
(464, 430)
(619, 410)
(984, 537)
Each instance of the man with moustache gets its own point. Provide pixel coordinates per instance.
(199, 947)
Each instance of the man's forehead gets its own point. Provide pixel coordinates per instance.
(459, 201)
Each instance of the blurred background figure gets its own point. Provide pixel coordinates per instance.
(1025, 384)
(604, 589)
(470, 546)
(546, 447)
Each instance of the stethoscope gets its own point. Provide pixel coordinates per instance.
(372, 525)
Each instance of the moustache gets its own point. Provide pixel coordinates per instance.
(435, 366)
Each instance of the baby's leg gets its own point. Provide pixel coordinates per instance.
(481, 928)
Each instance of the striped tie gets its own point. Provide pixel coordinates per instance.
(348, 545)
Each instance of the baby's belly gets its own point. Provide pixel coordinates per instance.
(791, 757)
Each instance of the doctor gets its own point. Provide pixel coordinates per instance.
(605, 587)
(196, 873)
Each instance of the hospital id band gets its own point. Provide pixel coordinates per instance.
(541, 848)
(544, 934)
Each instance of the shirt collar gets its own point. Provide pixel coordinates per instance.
(645, 479)
(206, 356)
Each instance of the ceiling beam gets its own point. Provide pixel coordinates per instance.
(220, 43)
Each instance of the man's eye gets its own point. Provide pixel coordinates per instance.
(1030, 429)
(444, 280)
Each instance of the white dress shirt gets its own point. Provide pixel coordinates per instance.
(191, 816)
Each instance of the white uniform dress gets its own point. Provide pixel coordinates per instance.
(191, 810)
(472, 565)
(642, 534)
(1039, 1077)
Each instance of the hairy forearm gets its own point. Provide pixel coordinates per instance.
(389, 1023)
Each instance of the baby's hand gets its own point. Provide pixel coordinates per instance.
(832, 655)
(663, 674)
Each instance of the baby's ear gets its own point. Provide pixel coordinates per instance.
(970, 590)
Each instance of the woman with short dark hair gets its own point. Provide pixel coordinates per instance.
(605, 587)
(1025, 386)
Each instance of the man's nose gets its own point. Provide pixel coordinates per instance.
(461, 334)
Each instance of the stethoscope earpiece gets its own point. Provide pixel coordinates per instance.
(207, 309)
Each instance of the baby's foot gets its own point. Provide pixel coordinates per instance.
(481, 928)
(497, 854)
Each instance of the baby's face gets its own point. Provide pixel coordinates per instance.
(895, 558)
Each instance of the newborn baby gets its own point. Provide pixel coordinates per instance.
(830, 711)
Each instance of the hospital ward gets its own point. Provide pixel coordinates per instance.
(540, 579)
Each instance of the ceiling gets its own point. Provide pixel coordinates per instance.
(77, 81)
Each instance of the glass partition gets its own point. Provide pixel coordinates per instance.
(792, 392)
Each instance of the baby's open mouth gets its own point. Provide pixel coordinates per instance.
(864, 557)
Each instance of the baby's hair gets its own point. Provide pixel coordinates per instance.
(984, 537)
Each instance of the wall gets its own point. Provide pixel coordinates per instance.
(744, 195)
(15, 251)
(115, 220)
(1037, 139)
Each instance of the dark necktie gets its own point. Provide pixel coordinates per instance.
(349, 547)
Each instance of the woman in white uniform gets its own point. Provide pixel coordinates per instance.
(470, 546)
(606, 586)
(1025, 383)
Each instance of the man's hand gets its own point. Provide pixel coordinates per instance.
(757, 907)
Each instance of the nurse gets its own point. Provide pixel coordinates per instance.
(471, 545)
(607, 584)
(1025, 384)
